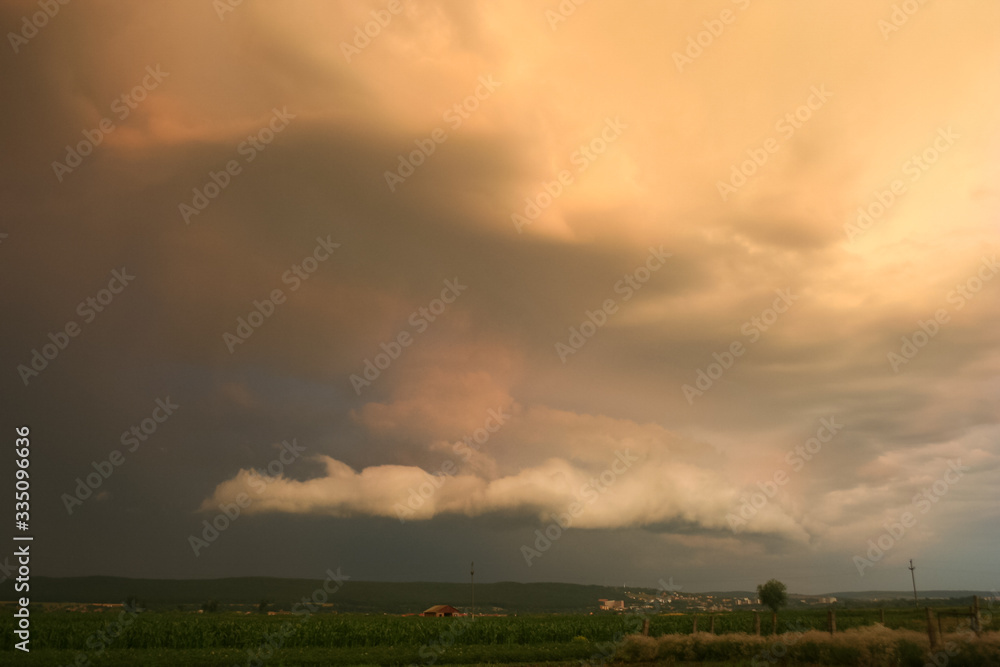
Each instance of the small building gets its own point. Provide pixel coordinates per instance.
(441, 610)
(612, 605)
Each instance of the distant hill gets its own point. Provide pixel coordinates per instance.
(354, 596)
(408, 597)
(905, 597)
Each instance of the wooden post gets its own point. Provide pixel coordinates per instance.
(694, 628)
(881, 616)
(976, 618)
(931, 634)
(711, 624)
(645, 627)
(832, 620)
(940, 628)
(774, 622)
(756, 623)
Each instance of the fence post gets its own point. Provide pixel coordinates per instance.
(931, 634)
(774, 622)
(694, 628)
(832, 619)
(645, 627)
(976, 618)
(711, 624)
(756, 623)
(881, 616)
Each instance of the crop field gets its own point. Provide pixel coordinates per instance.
(155, 638)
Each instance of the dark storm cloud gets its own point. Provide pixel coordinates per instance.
(321, 180)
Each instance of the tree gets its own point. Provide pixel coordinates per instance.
(773, 595)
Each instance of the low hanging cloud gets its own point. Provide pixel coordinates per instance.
(629, 492)
(606, 472)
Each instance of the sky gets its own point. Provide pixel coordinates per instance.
(604, 293)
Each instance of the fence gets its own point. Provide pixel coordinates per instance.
(899, 618)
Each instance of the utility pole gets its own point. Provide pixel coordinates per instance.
(916, 602)
(472, 576)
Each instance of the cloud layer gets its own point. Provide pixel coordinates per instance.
(809, 152)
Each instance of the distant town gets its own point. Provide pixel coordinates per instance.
(638, 601)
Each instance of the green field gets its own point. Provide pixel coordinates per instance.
(174, 638)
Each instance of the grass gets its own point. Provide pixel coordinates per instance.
(307, 657)
(872, 646)
(113, 638)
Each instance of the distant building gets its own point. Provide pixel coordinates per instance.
(612, 605)
(441, 610)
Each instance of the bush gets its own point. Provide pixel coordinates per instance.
(705, 646)
(966, 650)
(637, 648)
(873, 646)
(910, 654)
